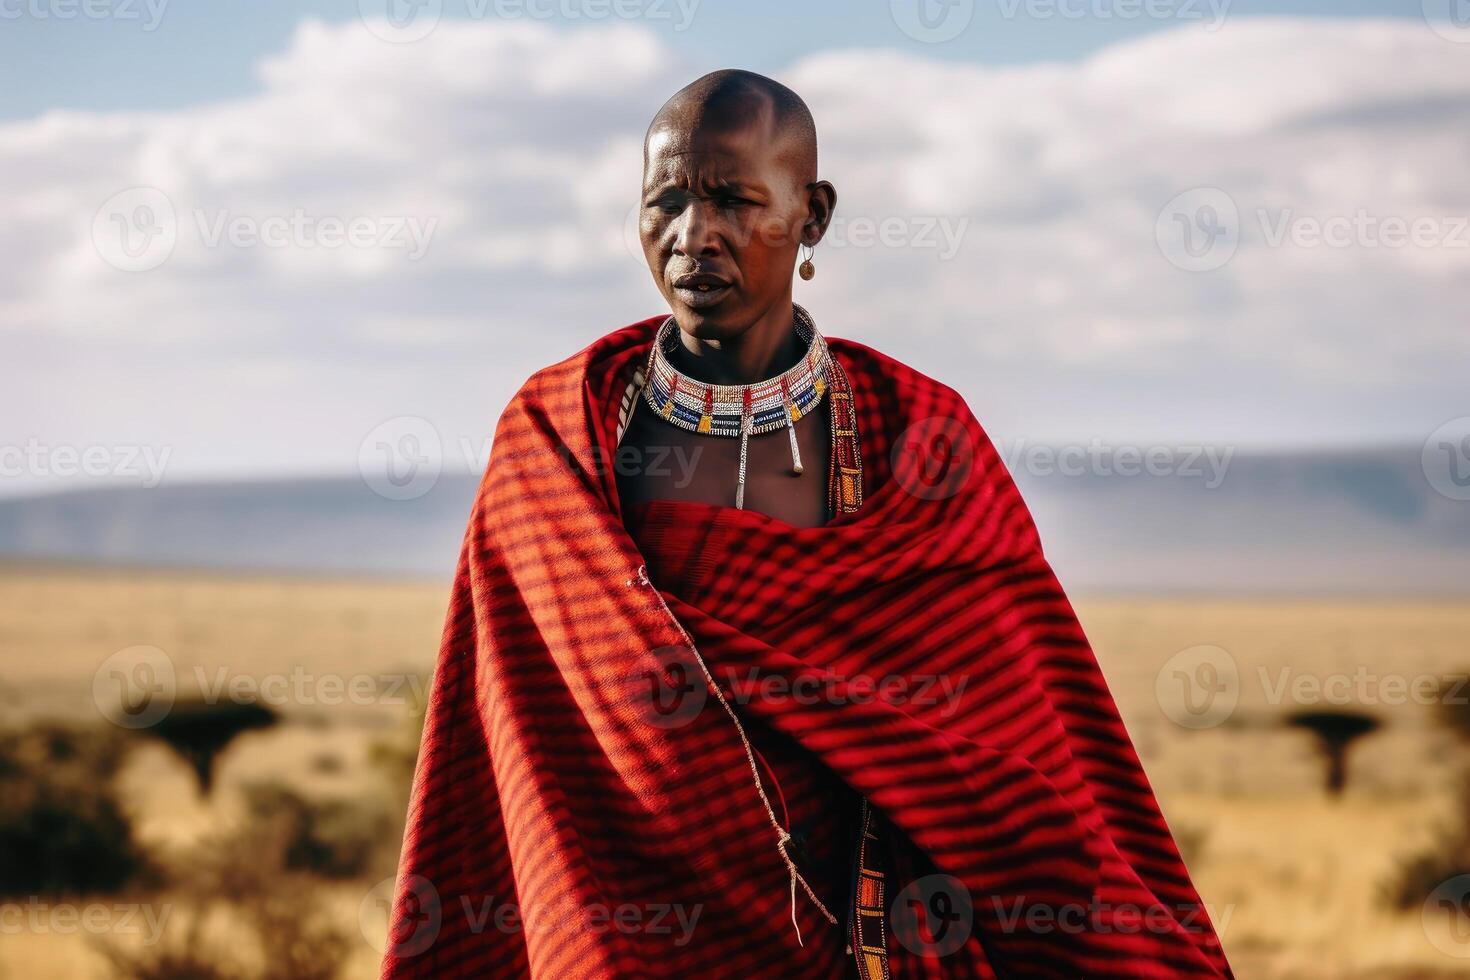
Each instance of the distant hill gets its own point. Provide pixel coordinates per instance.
(1360, 522)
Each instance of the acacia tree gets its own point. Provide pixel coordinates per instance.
(1335, 732)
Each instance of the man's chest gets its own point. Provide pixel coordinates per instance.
(658, 460)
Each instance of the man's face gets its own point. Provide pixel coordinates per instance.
(721, 221)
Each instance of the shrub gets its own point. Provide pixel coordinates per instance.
(1416, 876)
(62, 828)
(240, 877)
(335, 838)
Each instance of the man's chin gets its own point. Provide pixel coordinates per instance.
(709, 323)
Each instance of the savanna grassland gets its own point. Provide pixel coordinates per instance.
(304, 803)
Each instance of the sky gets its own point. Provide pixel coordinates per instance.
(158, 54)
(246, 238)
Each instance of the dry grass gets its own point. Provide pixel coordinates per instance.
(1291, 877)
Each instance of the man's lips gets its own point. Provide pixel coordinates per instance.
(699, 280)
(701, 289)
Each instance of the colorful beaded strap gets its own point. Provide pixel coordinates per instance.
(867, 938)
(845, 469)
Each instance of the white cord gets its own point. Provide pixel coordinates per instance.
(781, 835)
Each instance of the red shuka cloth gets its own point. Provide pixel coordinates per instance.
(687, 546)
(560, 828)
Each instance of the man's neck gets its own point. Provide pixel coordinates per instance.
(767, 348)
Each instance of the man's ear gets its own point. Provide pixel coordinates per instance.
(821, 201)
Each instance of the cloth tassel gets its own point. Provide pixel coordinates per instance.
(793, 911)
(783, 837)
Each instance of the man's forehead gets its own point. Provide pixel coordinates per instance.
(708, 167)
(705, 134)
(722, 150)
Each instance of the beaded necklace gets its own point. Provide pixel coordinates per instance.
(740, 410)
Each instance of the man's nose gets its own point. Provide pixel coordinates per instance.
(696, 231)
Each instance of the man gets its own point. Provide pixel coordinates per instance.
(811, 705)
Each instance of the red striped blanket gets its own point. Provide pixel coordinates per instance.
(569, 820)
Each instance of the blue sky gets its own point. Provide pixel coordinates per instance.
(207, 49)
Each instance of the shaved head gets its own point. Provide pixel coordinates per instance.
(731, 99)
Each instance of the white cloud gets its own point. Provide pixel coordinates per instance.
(518, 146)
